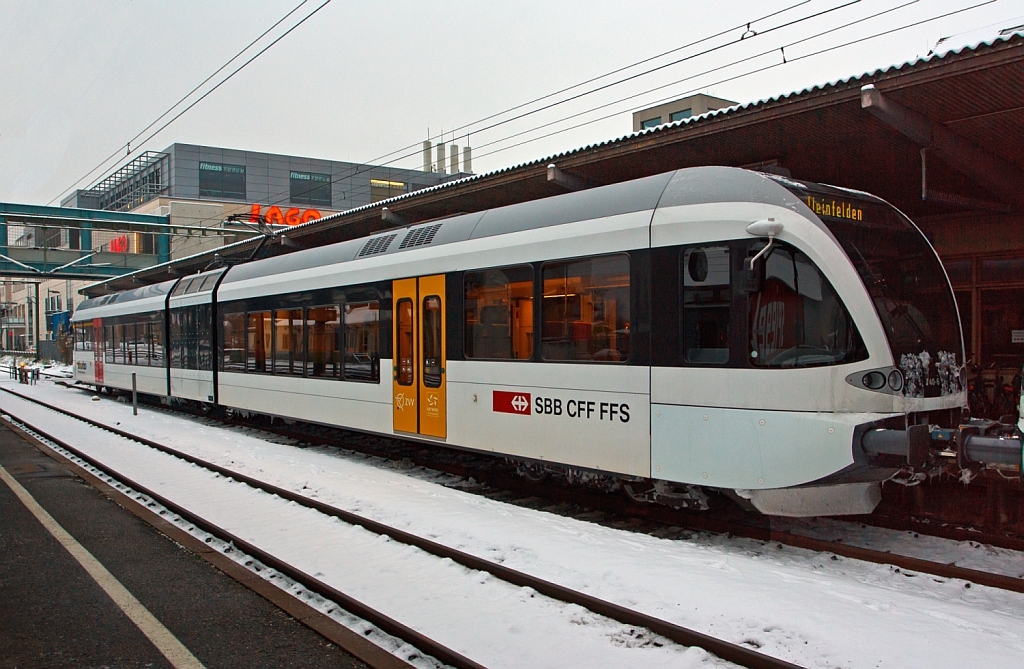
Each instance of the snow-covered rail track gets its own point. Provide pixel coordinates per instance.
(730, 652)
(914, 559)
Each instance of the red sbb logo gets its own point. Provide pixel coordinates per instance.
(506, 402)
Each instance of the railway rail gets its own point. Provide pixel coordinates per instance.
(751, 526)
(725, 650)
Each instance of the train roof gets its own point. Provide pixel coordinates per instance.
(622, 198)
(695, 185)
(128, 301)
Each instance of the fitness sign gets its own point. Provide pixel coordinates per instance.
(524, 404)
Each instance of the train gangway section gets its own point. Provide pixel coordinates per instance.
(784, 602)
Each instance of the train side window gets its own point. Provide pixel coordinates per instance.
(108, 343)
(233, 352)
(157, 335)
(181, 338)
(323, 334)
(142, 343)
(586, 309)
(362, 341)
(288, 355)
(796, 319)
(432, 341)
(257, 341)
(499, 313)
(83, 337)
(404, 345)
(203, 315)
(128, 343)
(707, 297)
(118, 344)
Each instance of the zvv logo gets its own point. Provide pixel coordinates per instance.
(506, 402)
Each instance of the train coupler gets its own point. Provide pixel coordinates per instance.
(975, 448)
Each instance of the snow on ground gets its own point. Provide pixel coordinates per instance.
(809, 608)
(46, 368)
(471, 612)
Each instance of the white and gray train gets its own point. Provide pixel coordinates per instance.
(790, 344)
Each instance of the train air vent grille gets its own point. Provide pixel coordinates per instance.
(420, 236)
(376, 245)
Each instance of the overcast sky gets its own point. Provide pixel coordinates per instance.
(358, 81)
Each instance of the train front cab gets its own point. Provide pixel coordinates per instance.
(773, 380)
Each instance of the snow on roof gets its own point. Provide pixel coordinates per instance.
(979, 36)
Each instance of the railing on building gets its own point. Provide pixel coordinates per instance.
(135, 182)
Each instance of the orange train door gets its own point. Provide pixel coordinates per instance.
(420, 405)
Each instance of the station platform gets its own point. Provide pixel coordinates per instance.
(56, 613)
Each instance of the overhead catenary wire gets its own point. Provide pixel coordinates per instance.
(762, 69)
(593, 79)
(196, 88)
(413, 150)
(284, 197)
(788, 60)
(711, 70)
(700, 74)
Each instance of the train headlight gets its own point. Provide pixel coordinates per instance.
(896, 380)
(874, 380)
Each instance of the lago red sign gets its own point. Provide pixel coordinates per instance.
(275, 216)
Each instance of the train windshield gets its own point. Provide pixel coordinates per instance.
(907, 284)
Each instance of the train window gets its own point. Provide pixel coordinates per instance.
(288, 355)
(432, 341)
(585, 310)
(119, 344)
(108, 343)
(323, 334)
(362, 341)
(157, 338)
(194, 285)
(203, 315)
(210, 281)
(796, 319)
(142, 343)
(233, 353)
(180, 288)
(180, 336)
(257, 341)
(499, 313)
(175, 343)
(707, 294)
(405, 343)
(130, 344)
(83, 337)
